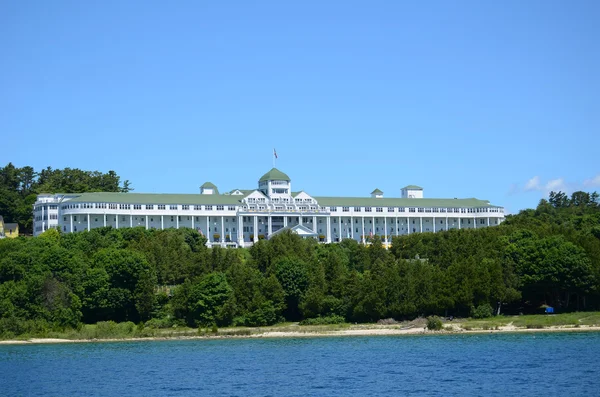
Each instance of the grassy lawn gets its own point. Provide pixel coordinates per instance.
(110, 330)
(535, 321)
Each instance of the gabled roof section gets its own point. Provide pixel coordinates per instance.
(154, 198)
(274, 174)
(413, 187)
(376, 191)
(298, 229)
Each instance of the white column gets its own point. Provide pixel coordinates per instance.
(71, 223)
(488, 221)
(315, 224)
(269, 224)
(328, 229)
(240, 232)
(146, 222)
(459, 222)
(300, 219)
(385, 228)
(434, 224)
(43, 221)
(474, 222)
(340, 238)
(177, 221)
(130, 220)
(208, 228)
(407, 225)
(397, 227)
(372, 225)
(88, 222)
(223, 229)
(285, 221)
(363, 229)
(352, 227)
(255, 228)
(162, 223)
(193, 226)
(421, 224)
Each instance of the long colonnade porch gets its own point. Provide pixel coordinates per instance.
(244, 229)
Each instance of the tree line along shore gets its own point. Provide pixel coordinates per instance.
(161, 279)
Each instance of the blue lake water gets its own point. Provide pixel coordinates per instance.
(545, 364)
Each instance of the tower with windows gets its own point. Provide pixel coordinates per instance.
(275, 185)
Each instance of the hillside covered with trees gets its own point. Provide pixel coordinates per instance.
(20, 186)
(544, 256)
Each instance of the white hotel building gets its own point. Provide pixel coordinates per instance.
(242, 217)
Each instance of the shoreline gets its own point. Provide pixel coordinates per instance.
(380, 331)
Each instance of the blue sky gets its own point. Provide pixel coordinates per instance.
(487, 99)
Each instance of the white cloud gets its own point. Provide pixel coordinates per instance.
(533, 184)
(593, 182)
(556, 185)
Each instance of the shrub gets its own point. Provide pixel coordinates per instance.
(333, 319)
(482, 311)
(434, 323)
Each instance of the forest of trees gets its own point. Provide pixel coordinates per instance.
(544, 256)
(19, 188)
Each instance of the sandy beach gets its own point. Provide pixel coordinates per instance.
(371, 330)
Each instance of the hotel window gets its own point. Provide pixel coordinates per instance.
(161, 206)
(173, 207)
(185, 207)
(149, 206)
(198, 207)
(219, 208)
(411, 210)
(357, 209)
(391, 209)
(208, 207)
(333, 209)
(367, 209)
(137, 206)
(345, 209)
(112, 206)
(379, 209)
(420, 209)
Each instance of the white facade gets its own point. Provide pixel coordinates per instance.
(242, 217)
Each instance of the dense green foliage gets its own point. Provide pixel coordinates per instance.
(20, 186)
(546, 256)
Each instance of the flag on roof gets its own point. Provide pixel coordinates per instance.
(275, 153)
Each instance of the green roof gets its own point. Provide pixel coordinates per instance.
(401, 202)
(274, 174)
(376, 191)
(413, 187)
(155, 198)
(210, 185)
(227, 199)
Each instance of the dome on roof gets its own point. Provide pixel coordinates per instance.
(274, 174)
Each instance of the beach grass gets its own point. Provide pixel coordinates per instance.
(534, 321)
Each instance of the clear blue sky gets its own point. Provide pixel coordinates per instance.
(487, 99)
